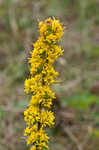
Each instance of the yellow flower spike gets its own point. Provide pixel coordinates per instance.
(42, 75)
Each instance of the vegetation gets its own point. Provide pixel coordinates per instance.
(77, 105)
(38, 115)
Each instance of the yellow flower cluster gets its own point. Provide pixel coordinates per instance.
(42, 75)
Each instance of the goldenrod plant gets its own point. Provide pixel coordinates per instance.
(38, 114)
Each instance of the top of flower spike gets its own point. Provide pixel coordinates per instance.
(51, 30)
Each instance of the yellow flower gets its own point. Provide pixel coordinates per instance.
(33, 148)
(47, 118)
(42, 75)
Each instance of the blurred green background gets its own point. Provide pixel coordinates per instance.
(77, 103)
